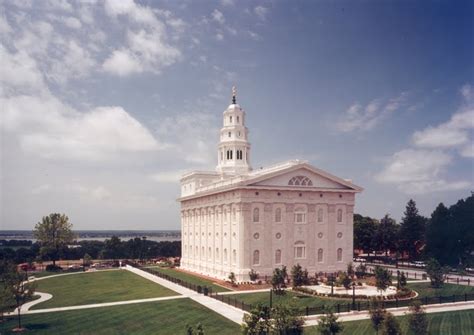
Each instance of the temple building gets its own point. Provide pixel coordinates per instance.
(235, 219)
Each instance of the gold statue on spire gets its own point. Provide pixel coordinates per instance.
(234, 94)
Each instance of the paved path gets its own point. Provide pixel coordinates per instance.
(105, 304)
(364, 315)
(234, 314)
(25, 307)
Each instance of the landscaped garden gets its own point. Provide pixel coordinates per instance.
(163, 317)
(98, 287)
(192, 279)
(446, 323)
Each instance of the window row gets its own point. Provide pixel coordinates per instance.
(300, 216)
(299, 253)
(189, 252)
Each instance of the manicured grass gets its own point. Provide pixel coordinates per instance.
(190, 278)
(445, 323)
(96, 287)
(425, 289)
(163, 317)
(298, 300)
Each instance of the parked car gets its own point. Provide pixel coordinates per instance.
(359, 259)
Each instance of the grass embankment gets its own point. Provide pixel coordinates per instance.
(446, 323)
(163, 317)
(190, 278)
(97, 287)
(425, 289)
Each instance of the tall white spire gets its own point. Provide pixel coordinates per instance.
(233, 153)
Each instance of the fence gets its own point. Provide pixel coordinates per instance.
(418, 276)
(309, 310)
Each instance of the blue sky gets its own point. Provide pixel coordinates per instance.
(105, 103)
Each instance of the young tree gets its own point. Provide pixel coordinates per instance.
(7, 300)
(390, 325)
(328, 324)
(21, 290)
(382, 278)
(299, 276)
(344, 280)
(403, 280)
(377, 314)
(386, 234)
(232, 278)
(285, 320)
(253, 275)
(350, 270)
(54, 233)
(199, 330)
(417, 321)
(435, 272)
(361, 270)
(87, 259)
(412, 229)
(257, 322)
(278, 280)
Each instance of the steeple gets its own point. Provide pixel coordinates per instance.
(233, 153)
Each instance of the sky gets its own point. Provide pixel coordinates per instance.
(104, 104)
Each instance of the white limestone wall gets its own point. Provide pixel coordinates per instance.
(210, 222)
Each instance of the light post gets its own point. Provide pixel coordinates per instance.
(271, 297)
(353, 295)
(398, 279)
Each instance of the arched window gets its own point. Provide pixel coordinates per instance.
(300, 250)
(233, 214)
(320, 215)
(339, 255)
(300, 181)
(278, 256)
(225, 255)
(234, 256)
(203, 254)
(217, 253)
(209, 253)
(278, 215)
(230, 119)
(339, 215)
(256, 215)
(237, 119)
(197, 251)
(320, 255)
(256, 257)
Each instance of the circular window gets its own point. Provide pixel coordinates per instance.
(256, 236)
(278, 235)
(320, 235)
(339, 235)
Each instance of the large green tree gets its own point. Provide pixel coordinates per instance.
(438, 233)
(54, 233)
(364, 232)
(462, 236)
(386, 235)
(412, 230)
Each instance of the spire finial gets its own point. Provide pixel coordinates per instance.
(234, 94)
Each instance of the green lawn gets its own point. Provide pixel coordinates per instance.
(425, 289)
(446, 323)
(164, 317)
(189, 278)
(303, 301)
(299, 300)
(96, 287)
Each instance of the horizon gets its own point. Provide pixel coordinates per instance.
(107, 104)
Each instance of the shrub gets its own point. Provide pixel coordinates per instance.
(53, 268)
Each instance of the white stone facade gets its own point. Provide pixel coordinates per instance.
(235, 219)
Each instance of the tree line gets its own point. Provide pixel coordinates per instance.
(446, 236)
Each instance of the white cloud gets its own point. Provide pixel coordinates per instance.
(227, 3)
(468, 150)
(261, 12)
(167, 176)
(41, 189)
(56, 131)
(122, 63)
(418, 171)
(219, 37)
(360, 118)
(218, 16)
(72, 22)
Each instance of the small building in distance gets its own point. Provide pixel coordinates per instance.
(236, 219)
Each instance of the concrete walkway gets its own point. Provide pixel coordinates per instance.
(234, 314)
(312, 320)
(105, 304)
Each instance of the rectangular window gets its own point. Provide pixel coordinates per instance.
(300, 217)
(300, 252)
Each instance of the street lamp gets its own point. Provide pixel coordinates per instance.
(353, 295)
(271, 297)
(398, 279)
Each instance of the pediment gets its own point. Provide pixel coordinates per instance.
(305, 176)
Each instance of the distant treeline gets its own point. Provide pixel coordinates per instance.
(113, 248)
